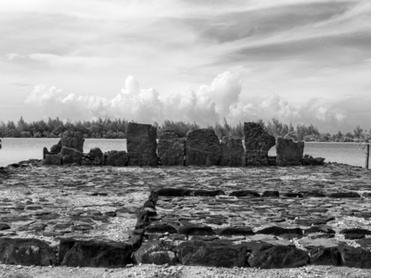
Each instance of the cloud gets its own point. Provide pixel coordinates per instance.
(302, 49)
(205, 106)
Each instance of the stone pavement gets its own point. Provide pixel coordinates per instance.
(264, 217)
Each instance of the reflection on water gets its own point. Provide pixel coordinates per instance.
(17, 149)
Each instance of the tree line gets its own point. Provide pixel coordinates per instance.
(107, 128)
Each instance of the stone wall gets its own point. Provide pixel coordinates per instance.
(200, 147)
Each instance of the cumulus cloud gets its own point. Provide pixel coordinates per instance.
(208, 104)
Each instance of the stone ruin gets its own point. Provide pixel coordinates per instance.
(68, 150)
(200, 147)
(257, 142)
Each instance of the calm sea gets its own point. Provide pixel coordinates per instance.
(17, 149)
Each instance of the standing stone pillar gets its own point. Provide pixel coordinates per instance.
(202, 148)
(232, 152)
(288, 152)
(73, 139)
(141, 144)
(257, 142)
(171, 148)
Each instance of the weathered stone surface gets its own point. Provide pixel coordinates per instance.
(212, 254)
(355, 257)
(198, 230)
(279, 256)
(309, 160)
(161, 228)
(257, 142)
(344, 195)
(288, 152)
(52, 159)
(116, 158)
(93, 191)
(231, 231)
(45, 152)
(56, 148)
(209, 193)
(94, 157)
(244, 193)
(26, 251)
(93, 253)
(326, 256)
(174, 192)
(319, 229)
(4, 226)
(141, 144)
(72, 139)
(232, 152)
(155, 252)
(293, 195)
(171, 148)
(70, 156)
(270, 193)
(276, 230)
(203, 148)
(355, 233)
(318, 243)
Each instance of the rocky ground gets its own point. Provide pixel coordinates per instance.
(155, 271)
(330, 205)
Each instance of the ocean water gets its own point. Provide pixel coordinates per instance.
(17, 149)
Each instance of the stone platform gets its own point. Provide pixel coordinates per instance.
(266, 217)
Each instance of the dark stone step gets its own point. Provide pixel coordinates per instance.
(276, 230)
(93, 253)
(244, 193)
(214, 253)
(26, 251)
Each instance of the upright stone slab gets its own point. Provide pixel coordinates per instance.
(70, 156)
(72, 139)
(141, 144)
(232, 152)
(52, 159)
(203, 148)
(257, 142)
(288, 152)
(171, 148)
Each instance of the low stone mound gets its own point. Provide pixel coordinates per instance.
(308, 160)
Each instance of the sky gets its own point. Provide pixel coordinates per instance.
(300, 61)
